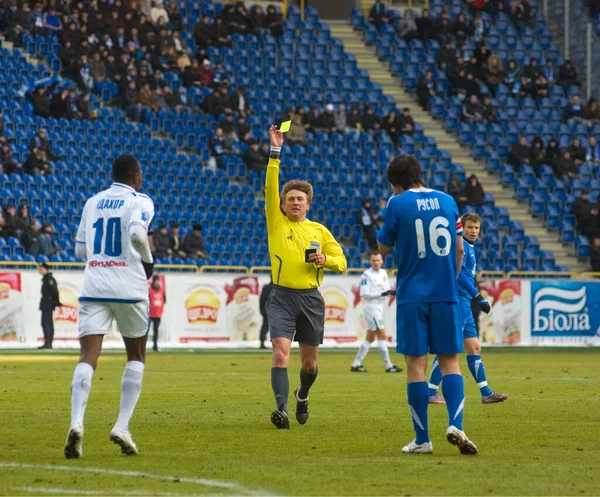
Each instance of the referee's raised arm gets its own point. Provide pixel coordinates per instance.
(272, 200)
(299, 250)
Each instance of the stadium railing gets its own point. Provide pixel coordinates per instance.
(21, 265)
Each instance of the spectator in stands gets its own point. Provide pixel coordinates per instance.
(595, 254)
(379, 15)
(406, 122)
(592, 151)
(519, 153)
(217, 146)
(46, 243)
(488, 112)
(446, 55)
(204, 33)
(472, 112)
(8, 165)
(258, 22)
(158, 11)
(174, 100)
(567, 75)
(476, 69)
(130, 100)
(583, 210)
(274, 22)
(297, 133)
(425, 26)
(523, 12)
(311, 119)
(354, 120)
(391, 124)
(84, 78)
(3, 233)
(407, 27)
(461, 29)
(148, 98)
(174, 16)
(29, 239)
(426, 89)
(565, 168)
(541, 87)
(227, 125)
(238, 102)
(591, 112)
(40, 99)
(471, 85)
(3, 138)
(366, 219)
(537, 153)
(327, 120)
(175, 241)
(473, 191)
(443, 27)
(23, 221)
(531, 71)
(524, 88)
(370, 121)
(206, 73)
(160, 243)
(10, 220)
(549, 72)
(573, 110)
(577, 151)
(512, 75)
(191, 75)
(255, 158)
(83, 107)
(456, 190)
(60, 105)
(51, 22)
(340, 119)
(494, 72)
(97, 67)
(193, 244)
(478, 28)
(482, 53)
(553, 153)
(242, 129)
(15, 24)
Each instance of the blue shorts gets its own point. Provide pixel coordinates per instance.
(469, 329)
(432, 327)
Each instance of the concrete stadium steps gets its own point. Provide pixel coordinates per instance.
(504, 197)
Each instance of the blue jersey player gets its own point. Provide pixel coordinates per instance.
(425, 227)
(468, 293)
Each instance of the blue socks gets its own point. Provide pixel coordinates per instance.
(478, 372)
(453, 388)
(436, 377)
(418, 403)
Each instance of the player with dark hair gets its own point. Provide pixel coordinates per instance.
(113, 237)
(425, 227)
(468, 294)
(374, 288)
(300, 250)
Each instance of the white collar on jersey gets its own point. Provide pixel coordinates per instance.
(121, 185)
(420, 189)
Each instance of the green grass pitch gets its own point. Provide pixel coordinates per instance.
(202, 426)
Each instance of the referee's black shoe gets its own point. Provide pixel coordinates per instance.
(281, 420)
(301, 408)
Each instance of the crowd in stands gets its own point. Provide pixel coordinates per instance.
(168, 244)
(36, 238)
(40, 157)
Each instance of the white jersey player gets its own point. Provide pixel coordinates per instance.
(113, 238)
(374, 288)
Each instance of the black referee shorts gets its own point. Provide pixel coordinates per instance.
(298, 315)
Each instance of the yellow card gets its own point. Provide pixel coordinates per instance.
(285, 127)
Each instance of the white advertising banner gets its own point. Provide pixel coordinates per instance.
(222, 310)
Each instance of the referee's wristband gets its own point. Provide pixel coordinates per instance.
(275, 153)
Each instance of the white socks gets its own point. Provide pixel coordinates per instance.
(80, 391)
(385, 355)
(131, 386)
(363, 350)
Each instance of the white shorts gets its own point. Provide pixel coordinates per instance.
(95, 318)
(374, 318)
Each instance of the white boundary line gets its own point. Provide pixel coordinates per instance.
(64, 491)
(234, 487)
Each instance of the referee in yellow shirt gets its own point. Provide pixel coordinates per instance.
(300, 249)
